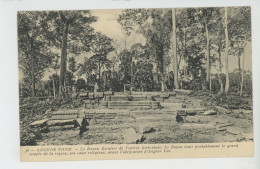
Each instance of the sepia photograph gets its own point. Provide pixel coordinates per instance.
(135, 76)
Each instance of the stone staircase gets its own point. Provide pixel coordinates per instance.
(129, 102)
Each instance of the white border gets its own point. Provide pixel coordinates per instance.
(9, 114)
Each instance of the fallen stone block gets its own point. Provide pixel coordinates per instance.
(210, 112)
(146, 129)
(83, 95)
(61, 122)
(171, 105)
(131, 137)
(181, 113)
(39, 123)
(164, 95)
(192, 119)
(64, 114)
(67, 127)
(222, 110)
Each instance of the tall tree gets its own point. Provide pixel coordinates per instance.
(68, 28)
(70, 75)
(239, 28)
(156, 26)
(226, 51)
(206, 18)
(218, 44)
(34, 53)
(174, 47)
(88, 68)
(102, 46)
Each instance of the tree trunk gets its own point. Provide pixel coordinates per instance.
(239, 67)
(242, 75)
(210, 82)
(54, 91)
(207, 53)
(162, 75)
(113, 70)
(168, 76)
(63, 62)
(185, 54)
(174, 46)
(226, 52)
(33, 76)
(131, 72)
(99, 74)
(238, 60)
(220, 71)
(21, 93)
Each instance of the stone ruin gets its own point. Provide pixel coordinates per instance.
(98, 105)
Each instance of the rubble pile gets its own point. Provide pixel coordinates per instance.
(33, 109)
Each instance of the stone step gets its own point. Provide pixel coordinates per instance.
(130, 104)
(189, 111)
(155, 93)
(183, 91)
(125, 98)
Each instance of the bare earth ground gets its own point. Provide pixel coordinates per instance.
(163, 121)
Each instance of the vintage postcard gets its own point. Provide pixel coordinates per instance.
(135, 83)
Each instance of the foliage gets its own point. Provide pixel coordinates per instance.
(80, 84)
(143, 76)
(156, 26)
(48, 86)
(143, 65)
(34, 53)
